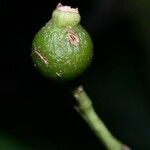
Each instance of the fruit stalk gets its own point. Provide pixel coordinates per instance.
(85, 109)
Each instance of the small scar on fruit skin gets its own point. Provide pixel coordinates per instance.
(58, 74)
(44, 59)
(73, 39)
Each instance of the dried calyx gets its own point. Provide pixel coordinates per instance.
(66, 16)
(66, 8)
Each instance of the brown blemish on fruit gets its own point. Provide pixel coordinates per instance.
(73, 39)
(44, 59)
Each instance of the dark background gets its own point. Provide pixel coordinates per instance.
(38, 114)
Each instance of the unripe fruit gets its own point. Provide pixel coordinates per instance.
(62, 49)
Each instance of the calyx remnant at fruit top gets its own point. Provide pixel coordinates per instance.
(66, 16)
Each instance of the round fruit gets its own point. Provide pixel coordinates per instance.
(62, 49)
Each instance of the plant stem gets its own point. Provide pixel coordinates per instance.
(85, 109)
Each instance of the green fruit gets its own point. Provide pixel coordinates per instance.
(62, 49)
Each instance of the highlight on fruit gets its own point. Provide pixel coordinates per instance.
(62, 49)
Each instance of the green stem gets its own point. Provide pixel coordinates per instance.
(85, 109)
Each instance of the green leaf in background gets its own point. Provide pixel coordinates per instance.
(10, 143)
